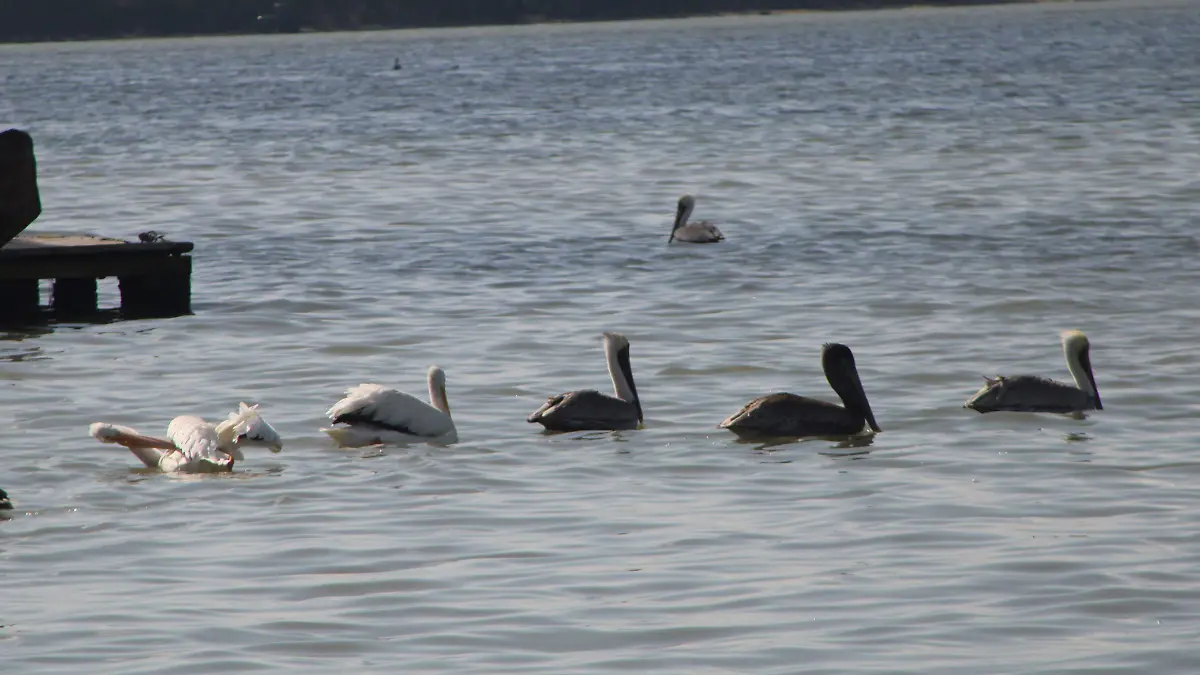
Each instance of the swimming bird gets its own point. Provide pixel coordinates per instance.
(193, 445)
(783, 414)
(702, 232)
(4, 501)
(374, 414)
(588, 408)
(1030, 393)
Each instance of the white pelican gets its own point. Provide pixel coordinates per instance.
(702, 232)
(1030, 393)
(588, 408)
(791, 415)
(4, 502)
(193, 445)
(375, 414)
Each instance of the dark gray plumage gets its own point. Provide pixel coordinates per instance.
(586, 409)
(4, 501)
(702, 232)
(790, 415)
(589, 409)
(1030, 393)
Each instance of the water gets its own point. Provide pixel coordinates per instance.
(943, 190)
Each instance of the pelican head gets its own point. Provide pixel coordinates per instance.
(249, 428)
(682, 212)
(838, 363)
(616, 350)
(1077, 351)
(437, 389)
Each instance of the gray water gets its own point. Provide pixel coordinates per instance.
(942, 190)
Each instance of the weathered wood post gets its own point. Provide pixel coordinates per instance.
(74, 295)
(166, 292)
(20, 205)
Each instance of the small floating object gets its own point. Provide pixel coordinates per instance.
(701, 232)
(588, 409)
(396, 64)
(193, 445)
(372, 414)
(5, 503)
(1030, 393)
(783, 414)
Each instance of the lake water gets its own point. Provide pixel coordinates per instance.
(942, 190)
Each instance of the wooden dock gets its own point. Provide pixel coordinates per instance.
(155, 278)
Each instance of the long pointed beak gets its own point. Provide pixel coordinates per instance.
(1086, 360)
(871, 420)
(678, 219)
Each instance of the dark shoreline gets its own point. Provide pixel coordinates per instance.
(54, 20)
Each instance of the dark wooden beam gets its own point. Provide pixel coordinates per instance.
(165, 292)
(74, 295)
(18, 299)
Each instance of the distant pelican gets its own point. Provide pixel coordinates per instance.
(1029, 393)
(375, 414)
(792, 415)
(702, 232)
(193, 445)
(4, 502)
(588, 408)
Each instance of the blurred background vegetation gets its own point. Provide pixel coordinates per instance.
(31, 20)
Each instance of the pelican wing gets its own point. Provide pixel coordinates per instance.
(791, 415)
(149, 449)
(702, 232)
(199, 447)
(585, 409)
(377, 406)
(1029, 393)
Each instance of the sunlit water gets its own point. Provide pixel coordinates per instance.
(942, 190)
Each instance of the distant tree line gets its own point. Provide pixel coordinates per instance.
(30, 20)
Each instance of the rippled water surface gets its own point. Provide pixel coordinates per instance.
(943, 190)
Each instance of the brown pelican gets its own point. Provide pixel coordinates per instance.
(702, 232)
(792, 415)
(588, 408)
(193, 445)
(375, 414)
(1029, 393)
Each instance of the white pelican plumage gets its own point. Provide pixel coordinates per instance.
(588, 408)
(193, 445)
(1030, 393)
(783, 414)
(701, 232)
(374, 414)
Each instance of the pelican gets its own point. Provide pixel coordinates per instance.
(1030, 393)
(374, 414)
(4, 502)
(193, 445)
(702, 232)
(791, 415)
(588, 408)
